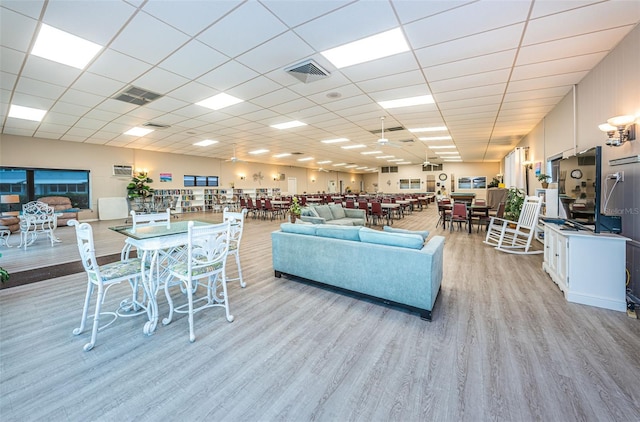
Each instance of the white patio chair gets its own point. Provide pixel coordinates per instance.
(516, 240)
(37, 218)
(236, 219)
(104, 277)
(205, 265)
(140, 220)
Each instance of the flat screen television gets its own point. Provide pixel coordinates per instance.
(580, 192)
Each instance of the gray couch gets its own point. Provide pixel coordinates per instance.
(395, 267)
(333, 214)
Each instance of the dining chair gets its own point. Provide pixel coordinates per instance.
(485, 218)
(458, 215)
(154, 218)
(37, 218)
(444, 212)
(104, 277)
(204, 266)
(236, 221)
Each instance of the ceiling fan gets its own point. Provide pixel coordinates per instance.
(235, 159)
(383, 142)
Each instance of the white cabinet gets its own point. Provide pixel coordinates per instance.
(549, 208)
(589, 268)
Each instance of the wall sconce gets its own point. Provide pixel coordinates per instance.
(528, 164)
(313, 180)
(619, 129)
(243, 177)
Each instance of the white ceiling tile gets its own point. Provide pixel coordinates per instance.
(294, 13)
(478, 64)
(193, 60)
(555, 67)
(160, 81)
(190, 93)
(497, 77)
(409, 11)
(148, 39)
(44, 89)
(228, 75)
(32, 8)
(118, 66)
(190, 17)
(547, 82)
(16, 30)
(381, 67)
(48, 71)
(88, 123)
(278, 53)
(12, 60)
(254, 88)
(250, 24)
(98, 85)
(30, 100)
(80, 98)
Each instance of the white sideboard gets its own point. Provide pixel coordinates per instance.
(589, 268)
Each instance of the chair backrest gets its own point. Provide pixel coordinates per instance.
(156, 218)
(37, 207)
(207, 248)
(480, 202)
(236, 221)
(529, 213)
(363, 205)
(86, 247)
(376, 208)
(500, 210)
(459, 210)
(350, 203)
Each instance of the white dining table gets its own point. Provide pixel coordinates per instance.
(157, 245)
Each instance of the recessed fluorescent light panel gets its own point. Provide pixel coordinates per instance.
(446, 153)
(453, 159)
(441, 146)
(350, 166)
(26, 113)
(324, 162)
(205, 143)
(305, 159)
(258, 151)
(428, 129)
(371, 48)
(334, 141)
(288, 125)
(395, 159)
(353, 146)
(436, 138)
(406, 102)
(219, 101)
(371, 152)
(404, 162)
(340, 164)
(62, 47)
(360, 168)
(284, 154)
(386, 156)
(138, 131)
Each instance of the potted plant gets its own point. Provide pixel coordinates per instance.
(294, 209)
(138, 187)
(513, 204)
(544, 179)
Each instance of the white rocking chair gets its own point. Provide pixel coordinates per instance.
(516, 240)
(236, 219)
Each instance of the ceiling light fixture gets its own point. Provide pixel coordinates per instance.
(435, 138)
(353, 146)
(219, 101)
(284, 154)
(62, 47)
(406, 102)
(395, 160)
(305, 159)
(428, 129)
(138, 131)
(206, 143)
(340, 164)
(371, 152)
(371, 48)
(26, 113)
(350, 166)
(258, 151)
(324, 162)
(625, 127)
(386, 156)
(288, 125)
(334, 141)
(441, 146)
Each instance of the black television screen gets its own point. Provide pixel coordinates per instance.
(580, 191)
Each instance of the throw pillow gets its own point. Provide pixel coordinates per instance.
(423, 233)
(338, 232)
(402, 240)
(324, 211)
(337, 211)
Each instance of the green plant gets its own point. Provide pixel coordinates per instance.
(513, 204)
(294, 208)
(494, 183)
(4, 274)
(543, 177)
(138, 187)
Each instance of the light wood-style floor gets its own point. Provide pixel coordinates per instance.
(503, 345)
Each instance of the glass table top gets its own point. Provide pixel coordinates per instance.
(156, 230)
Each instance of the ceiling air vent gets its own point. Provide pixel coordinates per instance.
(407, 141)
(308, 71)
(135, 95)
(155, 125)
(388, 129)
(296, 153)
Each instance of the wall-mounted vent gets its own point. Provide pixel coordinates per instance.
(135, 95)
(308, 71)
(155, 125)
(122, 170)
(387, 129)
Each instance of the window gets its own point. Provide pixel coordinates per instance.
(409, 183)
(190, 180)
(468, 182)
(432, 167)
(393, 169)
(31, 184)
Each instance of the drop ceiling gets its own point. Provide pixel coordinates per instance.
(494, 69)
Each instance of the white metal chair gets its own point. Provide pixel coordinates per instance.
(516, 240)
(103, 277)
(140, 220)
(204, 265)
(37, 217)
(236, 220)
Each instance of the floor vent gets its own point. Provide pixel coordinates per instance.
(135, 95)
(308, 71)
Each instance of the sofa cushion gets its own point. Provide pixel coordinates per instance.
(337, 211)
(402, 240)
(299, 228)
(423, 233)
(324, 211)
(338, 232)
(309, 212)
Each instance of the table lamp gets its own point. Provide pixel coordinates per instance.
(9, 200)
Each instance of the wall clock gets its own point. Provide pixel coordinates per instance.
(576, 174)
(442, 176)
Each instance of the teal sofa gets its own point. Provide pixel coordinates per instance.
(395, 266)
(333, 214)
